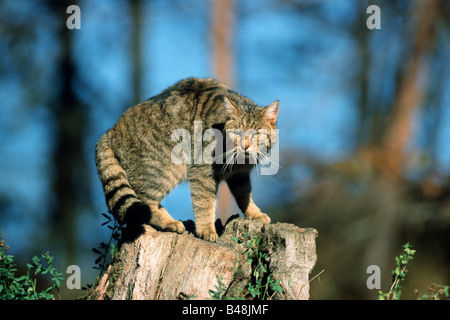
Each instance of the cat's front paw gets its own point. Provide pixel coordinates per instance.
(208, 234)
(264, 218)
(175, 226)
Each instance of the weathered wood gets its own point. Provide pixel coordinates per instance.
(166, 265)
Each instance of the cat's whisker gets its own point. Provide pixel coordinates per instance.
(266, 173)
(234, 160)
(227, 156)
(255, 156)
(229, 160)
(223, 156)
(269, 159)
(262, 168)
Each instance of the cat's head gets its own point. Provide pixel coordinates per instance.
(250, 130)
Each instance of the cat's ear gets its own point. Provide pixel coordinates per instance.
(230, 106)
(270, 112)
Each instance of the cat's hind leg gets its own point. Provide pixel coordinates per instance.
(162, 220)
(152, 194)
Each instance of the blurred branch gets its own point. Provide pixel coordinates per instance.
(70, 181)
(223, 67)
(365, 55)
(222, 32)
(136, 47)
(410, 91)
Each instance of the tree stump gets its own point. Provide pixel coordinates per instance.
(165, 265)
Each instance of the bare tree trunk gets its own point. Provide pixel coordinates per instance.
(168, 266)
(410, 91)
(70, 185)
(222, 32)
(390, 159)
(223, 62)
(136, 9)
(362, 36)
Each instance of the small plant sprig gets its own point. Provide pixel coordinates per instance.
(219, 293)
(24, 287)
(436, 292)
(262, 281)
(399, 274)
(106, 250)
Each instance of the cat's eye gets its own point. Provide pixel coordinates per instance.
(235, 132)
(259, 135)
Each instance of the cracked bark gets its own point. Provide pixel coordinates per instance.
(168, 266)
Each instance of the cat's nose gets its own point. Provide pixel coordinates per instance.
(245, 143)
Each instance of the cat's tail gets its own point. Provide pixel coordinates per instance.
(120, 197)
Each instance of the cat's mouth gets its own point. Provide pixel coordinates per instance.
(247, 153)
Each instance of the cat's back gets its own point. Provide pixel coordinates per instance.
(179, 101)
(198, 99)
(178, 106)
(189, 97)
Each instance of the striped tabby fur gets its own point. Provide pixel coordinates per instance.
(134, 157)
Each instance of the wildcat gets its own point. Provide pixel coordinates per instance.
(134, 157)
